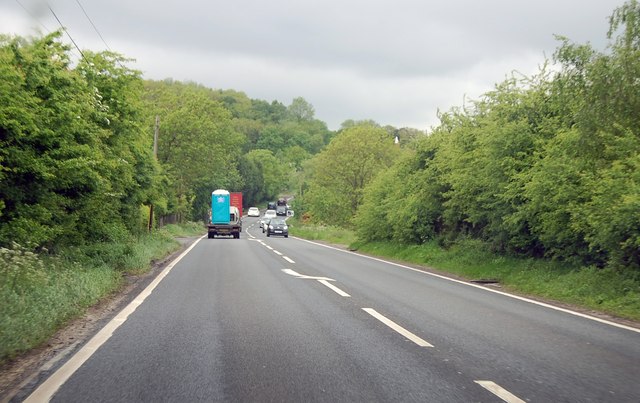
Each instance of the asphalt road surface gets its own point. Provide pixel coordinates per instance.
(272, 319)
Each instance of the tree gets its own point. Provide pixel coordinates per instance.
(300, 110)
(75, 167)
(198, 147)
(272, 172)
(544, 165)
(341, 172)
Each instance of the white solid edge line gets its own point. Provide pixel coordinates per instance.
(531, 301)
(48, 388)
(499, 391)
(419, 341)
(334, 288)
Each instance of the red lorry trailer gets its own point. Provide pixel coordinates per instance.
(235, 199)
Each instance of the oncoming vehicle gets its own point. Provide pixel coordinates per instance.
(278, 226)
(253, 212)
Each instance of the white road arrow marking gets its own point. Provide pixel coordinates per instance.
(322, 280)
(302, 276)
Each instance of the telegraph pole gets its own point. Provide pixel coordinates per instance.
(155, 155)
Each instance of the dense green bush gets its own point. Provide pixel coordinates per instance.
(546, 165)
(73, 157)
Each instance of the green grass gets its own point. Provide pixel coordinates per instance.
(601, 290)
(331, 234)
(39, 293)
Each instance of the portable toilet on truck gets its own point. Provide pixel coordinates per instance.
(220, 203)
(225, 218)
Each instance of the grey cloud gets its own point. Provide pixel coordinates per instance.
(393, 61)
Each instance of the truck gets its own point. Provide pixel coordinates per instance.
(225, 216)
(235, 199)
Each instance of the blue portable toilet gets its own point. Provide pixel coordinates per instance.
(220, 206)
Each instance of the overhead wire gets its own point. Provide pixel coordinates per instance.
(68, 34)
(67, 31)
(97, 31)
(33, 16)
(93, 25)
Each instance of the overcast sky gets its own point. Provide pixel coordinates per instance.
(393, 61)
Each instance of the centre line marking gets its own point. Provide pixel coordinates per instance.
(398, 328)
(500, 392)
(288, 259)
(277, 253)
(334, 288)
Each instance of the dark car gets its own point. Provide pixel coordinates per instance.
(281, 210)
(278, 226)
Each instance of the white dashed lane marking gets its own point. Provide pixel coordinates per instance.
(500, 392)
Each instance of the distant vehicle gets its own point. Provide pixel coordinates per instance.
(225, 216)
(281, 210)
(271, 206)
(268, 215)
(281, 202)
(253, 212)
(278, 226)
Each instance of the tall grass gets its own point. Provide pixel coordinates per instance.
(40, 292)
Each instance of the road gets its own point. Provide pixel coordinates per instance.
(274, 319)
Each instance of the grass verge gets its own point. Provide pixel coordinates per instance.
(606, 291)
(39, 293)
(331, 234)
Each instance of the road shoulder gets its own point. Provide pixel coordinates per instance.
(20, 376)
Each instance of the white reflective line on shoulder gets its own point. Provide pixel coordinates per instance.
(47, 389)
